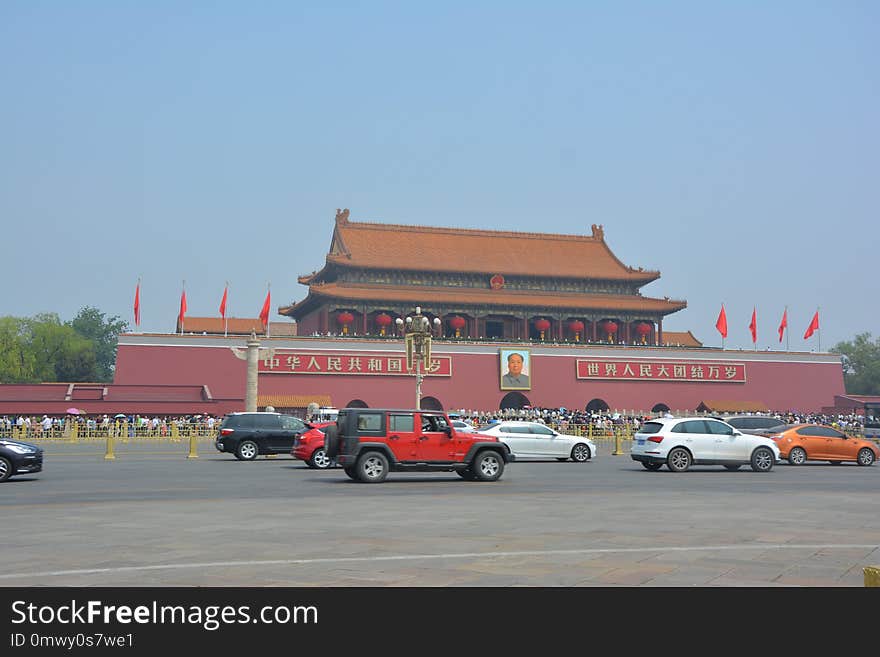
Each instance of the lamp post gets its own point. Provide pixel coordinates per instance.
(418, 346)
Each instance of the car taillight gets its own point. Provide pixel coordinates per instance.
(655, 439)
(226, 432)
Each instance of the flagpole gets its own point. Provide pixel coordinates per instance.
(268, 318)
(183, 316)
(226, 315)
(787, 332)
(818, 335)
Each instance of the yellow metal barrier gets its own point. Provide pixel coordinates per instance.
(872, 576)
(192, 447)
(109, 455)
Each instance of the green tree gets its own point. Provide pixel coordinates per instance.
(861, 364)
(103, 332)
(17, 361)
(60, 353)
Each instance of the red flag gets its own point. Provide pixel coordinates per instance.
(784, 324)
(182, 314)
(264, 313)
(137, 305)
(814, 326)
(721, 324)
(753, 325)
(223, 303)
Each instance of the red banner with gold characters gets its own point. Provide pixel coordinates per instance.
(298, 362)
(640, 370)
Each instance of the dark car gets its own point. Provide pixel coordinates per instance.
(18, 458)
(757, 425)
(248, 435)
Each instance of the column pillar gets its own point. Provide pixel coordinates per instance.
(325, 320)
(364, 332)
(660, 331)
(626, 331)
(525, 328)
(253, 353)
(594, 322)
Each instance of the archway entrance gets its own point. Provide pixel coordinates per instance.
(596, 405)
(659, 408)
(357, 403)
(514, 400)
(431, 404)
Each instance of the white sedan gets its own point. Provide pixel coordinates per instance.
(535, 440)
(461, 425)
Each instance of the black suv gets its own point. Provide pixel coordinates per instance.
(758, 425)
(249, 434)
(18, 458)
(371, 442)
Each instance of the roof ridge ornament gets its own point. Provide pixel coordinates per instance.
(598, 232)
(342, 216)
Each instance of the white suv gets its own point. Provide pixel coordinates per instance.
(681, 442)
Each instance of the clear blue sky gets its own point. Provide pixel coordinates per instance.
(732, 146)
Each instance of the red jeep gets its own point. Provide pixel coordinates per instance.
(371, 442)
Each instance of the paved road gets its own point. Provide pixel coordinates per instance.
(153, 517)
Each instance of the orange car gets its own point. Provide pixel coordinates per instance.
(815, 442)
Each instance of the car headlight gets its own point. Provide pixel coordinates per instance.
(21, 449)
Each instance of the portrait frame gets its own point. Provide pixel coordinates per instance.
(526, 355)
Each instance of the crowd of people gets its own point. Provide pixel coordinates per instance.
(561, 418)
(133, 424)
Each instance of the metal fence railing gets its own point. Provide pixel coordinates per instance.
(121, 432)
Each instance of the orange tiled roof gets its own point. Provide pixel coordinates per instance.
(236, 326)
(684, 339)
(425, 248)
(475, 296)
(293, 401)
(732, 406)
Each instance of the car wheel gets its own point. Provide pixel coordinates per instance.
(762, 460)
(797, 456)
(320, 459)
(678, 459)
(5, 469)
(732, 468)
(372, 468)
(866, 456)
(580, 453)
(350, 471)
(653, 466)
(247, 450)
(488, 466)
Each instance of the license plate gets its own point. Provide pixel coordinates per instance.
(640, 441)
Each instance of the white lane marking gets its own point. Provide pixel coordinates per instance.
(453, 555)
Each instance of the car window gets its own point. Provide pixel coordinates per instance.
(718, 428)
(690, 426)
(809, 431)
(291, 423)
(541, 430)
(828, 432)
(405, 422)
(767, 423)
(651, 427)
(267, 421)
(433, 423)
(738, 422)
(369, 422)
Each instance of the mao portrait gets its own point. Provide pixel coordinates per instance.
(515, 369)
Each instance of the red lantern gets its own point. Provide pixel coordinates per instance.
(542, 325)
(643, 330)
(610, 328)
(345, 318)
(577, 326)
(383, 320)
(457, 323)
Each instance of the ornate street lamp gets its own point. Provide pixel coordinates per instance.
(418, 346)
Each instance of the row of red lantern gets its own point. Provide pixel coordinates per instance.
(383, 321)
